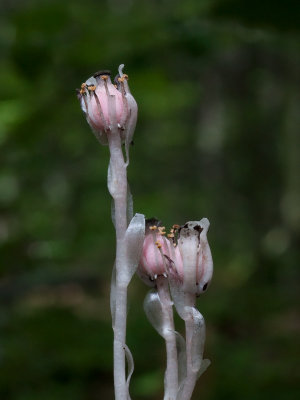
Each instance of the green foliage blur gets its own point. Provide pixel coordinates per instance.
(217, 84)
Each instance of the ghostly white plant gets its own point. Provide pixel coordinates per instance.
(111, 111)
(182, 260)
(179, 263)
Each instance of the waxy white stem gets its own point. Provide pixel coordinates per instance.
(171, 374)
(120, 199)
(191, 374)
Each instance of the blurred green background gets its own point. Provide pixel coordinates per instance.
(217, 84)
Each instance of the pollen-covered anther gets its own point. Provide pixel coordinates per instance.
(176, 226)
(125, 76)
(158, 244)
(104, 77)
(121, 79)
(162, 230)
(82, 89)
(91, 88)
(170, 235)
(153, 228)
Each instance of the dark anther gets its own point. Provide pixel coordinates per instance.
(116, 79)
(99, 73)
(78, 94)
(198, 228)
(169, 259)
(204, 287)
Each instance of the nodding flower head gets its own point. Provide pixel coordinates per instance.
(196, 256)
(109, 106)
(160, 256)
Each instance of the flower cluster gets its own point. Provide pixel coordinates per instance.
(183, 254)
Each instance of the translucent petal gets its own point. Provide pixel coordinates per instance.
(131, 122)
(91, 81)
(134, 238)
(112, 112)
(153, 310)
(178, 296)
(204, 365)
(206, 261)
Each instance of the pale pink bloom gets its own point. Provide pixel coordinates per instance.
(109, 106)
(159, 256)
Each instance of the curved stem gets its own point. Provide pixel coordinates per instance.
(171, 375)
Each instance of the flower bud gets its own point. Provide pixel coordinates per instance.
(109, 107)
(159, 255)
(196, 256)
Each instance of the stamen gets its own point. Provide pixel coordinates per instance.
(82, 90)
(105, 85)
(104, 77)
(91, 88)
(153, 228)
(176, 226)
(170, 235)
(161, 230)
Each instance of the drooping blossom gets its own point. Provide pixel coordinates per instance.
(109, 106)
(183, 255)
(196, 256)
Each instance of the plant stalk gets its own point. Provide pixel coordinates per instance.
(171, 375)
(120, 200)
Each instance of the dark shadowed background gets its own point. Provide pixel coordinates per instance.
(217, 84)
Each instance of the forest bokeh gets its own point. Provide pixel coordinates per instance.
(217, 84)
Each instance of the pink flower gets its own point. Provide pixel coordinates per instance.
(159, 256)
(107, 106)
